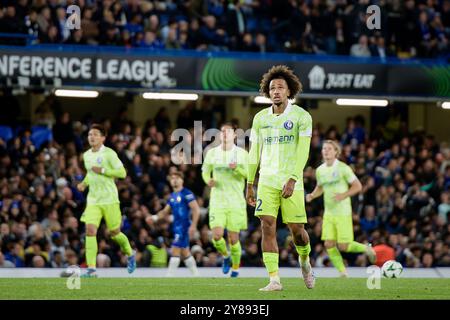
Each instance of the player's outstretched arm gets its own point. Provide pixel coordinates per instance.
(120, 173)
(164, 213)
(317, 192)
(355, 188)
(207, 169)
(195, 211)
(117, 169)
(160, 215)
(302, 155)
(254, 155)
(242, 168)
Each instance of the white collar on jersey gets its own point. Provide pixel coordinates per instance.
(334, 163)
(232, 148)
(287, 110)
(101, 148)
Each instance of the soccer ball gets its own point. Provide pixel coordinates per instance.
(392, 269)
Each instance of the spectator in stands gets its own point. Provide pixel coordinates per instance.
(361, 49)
(5, 263)
(416, 29)
(379, 49)
(214, 38)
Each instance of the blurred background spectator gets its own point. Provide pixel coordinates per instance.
(409, 28)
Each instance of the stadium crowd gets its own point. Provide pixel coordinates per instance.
(404, 207)
(410, 28)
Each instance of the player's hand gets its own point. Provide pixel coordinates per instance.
(211, 183)
(97, 169)
(232, 165)
(288, 188)
(339, 197)
(250, 195)
(81, 187)
(192, 230)
(309, 197)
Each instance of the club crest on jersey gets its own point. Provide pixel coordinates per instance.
(288, 125)
(178, 199)
(335, 174)
(99, 160)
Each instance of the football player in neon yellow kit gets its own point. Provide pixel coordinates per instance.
(280, 141)
(227, 207)
(333, 180)
(103, 166)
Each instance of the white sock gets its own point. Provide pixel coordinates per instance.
(192, 265)
(174, 262)
(275, 278)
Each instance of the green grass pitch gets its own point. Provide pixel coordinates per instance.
(221, 289)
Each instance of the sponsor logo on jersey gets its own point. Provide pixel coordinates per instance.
(279, 139)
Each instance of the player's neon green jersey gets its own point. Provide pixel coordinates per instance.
(228, 191)
(102, 187)
(335, 179)
(278, 136)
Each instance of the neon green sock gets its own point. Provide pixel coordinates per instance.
(303, 252)
(221, 246)
(336, 259)
(91, 251)
(356, 247)
(123, 242)
(236, 251)
(270, 260)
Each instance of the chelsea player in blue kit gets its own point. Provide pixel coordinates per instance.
(181, 202)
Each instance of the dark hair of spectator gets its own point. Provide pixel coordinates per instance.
(281, 72)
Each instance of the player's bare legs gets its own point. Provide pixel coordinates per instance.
(270, 252)
(301, 240)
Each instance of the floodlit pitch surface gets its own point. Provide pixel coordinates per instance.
(221, 289)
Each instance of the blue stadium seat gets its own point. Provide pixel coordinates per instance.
(133, 28)
(41, 135)
(252, 24)
(6, 133)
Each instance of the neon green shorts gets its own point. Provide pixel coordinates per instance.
(94, 213)
(337, 228)
(269, 200)
(233, 220)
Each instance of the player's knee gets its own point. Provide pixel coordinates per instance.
(234, 238)
(114, 232)
(342, 246)
(268, 224)
(91, 230)
(217, 236)
(330, 244)
(217, 233)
